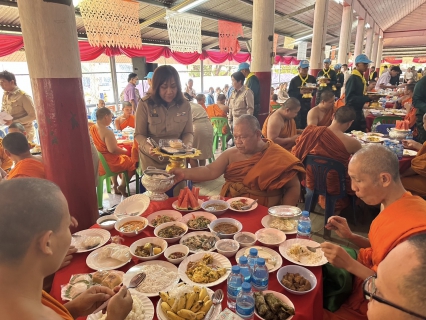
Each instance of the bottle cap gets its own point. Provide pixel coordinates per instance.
(253, 252)
(235, 269)
(305, 213)
(246, 286)
(243, 260)
(260, 261)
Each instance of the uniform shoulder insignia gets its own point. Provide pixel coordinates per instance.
(145, 98)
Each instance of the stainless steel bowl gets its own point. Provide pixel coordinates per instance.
(398, 134)
(157, 182)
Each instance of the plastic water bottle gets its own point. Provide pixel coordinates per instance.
(244, 268)
(410, 135)
(245, 302)
(235, 280)
(131, 137)
(120, 135)
(260, 277)
(304, 226)
(252, 258)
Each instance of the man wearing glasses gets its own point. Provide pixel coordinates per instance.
(374, 173)
(398, 289)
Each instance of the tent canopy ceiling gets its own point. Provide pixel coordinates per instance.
(401, 21)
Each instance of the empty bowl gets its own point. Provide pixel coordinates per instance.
(177, 248)
(245, 239)
(307, 274)
(270, 237)
(107, 222)
(156, 241)
(227, 247)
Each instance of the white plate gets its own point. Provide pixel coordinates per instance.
(280, 296)
(287, 244)
(218, 260)
(146, 304)
(365, 138)
(94, 263)
(171, 213)
(410, 153)
(174, 205)
(141, 267)
(190, 216)
(136, 203)
(266, 220)
(273, 253)
(375, 134)
(104, 234)
(249, 201)
(162, 316)
(199, 233)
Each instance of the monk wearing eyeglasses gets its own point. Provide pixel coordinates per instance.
(374, 173)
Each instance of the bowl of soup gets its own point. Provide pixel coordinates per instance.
(107, 222)
(225, 228)
(131, 226)
(216, 207)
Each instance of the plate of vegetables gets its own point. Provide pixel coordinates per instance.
(198, 220)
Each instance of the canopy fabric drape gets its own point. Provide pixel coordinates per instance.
(10, 44)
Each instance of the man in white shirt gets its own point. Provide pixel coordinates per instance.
(346, 73)
(384, 80)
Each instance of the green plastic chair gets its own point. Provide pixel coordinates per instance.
(139, 174)
(218, 123)
(276, 106)
(387, 119)
(106, 177)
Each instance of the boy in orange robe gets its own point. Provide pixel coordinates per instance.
(322, 114)
(5, 162)
(219, 110)
(374, 171)
(26, 165)
(280, 126)
(254, 168)
(330, 142)
(106, 144)
(126, 119)
(35, 236)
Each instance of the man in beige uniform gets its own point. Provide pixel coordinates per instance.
(242, 99)
(17, 103)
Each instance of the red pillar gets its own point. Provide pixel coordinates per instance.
(53, 58)
(263, 35)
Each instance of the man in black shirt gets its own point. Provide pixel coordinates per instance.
(329, 73)
(340, 79)
(373, 74)
(295, 91)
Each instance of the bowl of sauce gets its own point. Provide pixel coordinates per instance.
(107, 222)
(131, 226)
(225, 228)
(216, 207)
(245, 239)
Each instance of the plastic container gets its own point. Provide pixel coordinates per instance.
(245, 302)
(304, 226)
(244, 268)
(252, 258)
(131, 137)
(260, 276)
(235, 280)
(410, 135)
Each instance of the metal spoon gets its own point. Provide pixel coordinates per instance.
(249, 206)
(217, 298)
(313, 249)
(128, 214)
(134, 283)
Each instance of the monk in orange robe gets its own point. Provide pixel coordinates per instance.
(219, 110)
(280, 126)
(5, 162)
(374, 171)
(254, 168)
(26, 165)
(407, 103)
(322, 114)
(34, 216)
(126, 119)
(106, 144)
(330, 142)
(18, 127)
(201, 100)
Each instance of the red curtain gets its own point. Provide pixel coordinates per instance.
(10, 44)
(286, 60)
(393, 60)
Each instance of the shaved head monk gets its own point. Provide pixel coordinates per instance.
(126, 119)
(322, 114)
(330, 142)
(26, 165)
(280, 126)
(374, 171)
(5, 161)
(34, 239)
(106, 144)
(17, 127)
(254, 168)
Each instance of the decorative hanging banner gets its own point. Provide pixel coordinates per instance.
(302, 47)
(111, 23)
(327, 51)
(420, 60)
(184, 31)
(275, 43)
(228, 34)
(333, 52)
(407, 60)
(288, 43)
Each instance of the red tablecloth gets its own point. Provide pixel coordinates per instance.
(308, 306)
(370, 118)
(404, 163)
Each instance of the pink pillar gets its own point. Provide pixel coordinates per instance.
(261, 63)
(51, 48)
(379, 54)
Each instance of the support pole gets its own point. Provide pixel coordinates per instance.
(369, 41)
(263, 40)
(53, 58)
(318, 38)
(375, 49)
(345, 32)
(202, 75)
(359, 40)
(379, 55)
(114, 81)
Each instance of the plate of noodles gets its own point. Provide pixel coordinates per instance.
(235, 204)
(294, 250)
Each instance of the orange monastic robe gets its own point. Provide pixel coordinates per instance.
(116, 162)
(27, 168)
(51, 303)
(327, 119)
(340, 102)
(129, 122)
(5, 162)
(417, 183)
(214, 111)
(397, 222)
(263, 175)
(411, 117)
(321, 141)
(288, 130)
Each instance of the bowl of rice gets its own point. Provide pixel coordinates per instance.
(270, 237)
